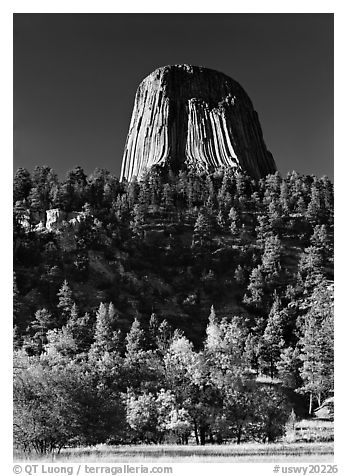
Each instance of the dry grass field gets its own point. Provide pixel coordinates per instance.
(247, 453)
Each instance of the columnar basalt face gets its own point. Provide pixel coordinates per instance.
(192, 118)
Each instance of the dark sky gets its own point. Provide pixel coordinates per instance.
(75, 77)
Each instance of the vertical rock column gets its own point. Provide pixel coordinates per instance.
(188, 117)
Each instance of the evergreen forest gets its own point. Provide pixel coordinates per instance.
(179, 307)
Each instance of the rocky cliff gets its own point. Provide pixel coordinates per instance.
(189, 117)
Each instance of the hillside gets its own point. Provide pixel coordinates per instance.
(172, 248)
(207, 298)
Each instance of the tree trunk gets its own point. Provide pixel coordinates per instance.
(239, 434)
(202, 435)
(211, 437)
(196, 434)
(310, 406)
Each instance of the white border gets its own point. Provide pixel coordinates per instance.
(6, 91)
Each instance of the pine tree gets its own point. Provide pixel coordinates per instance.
(251, 352)
(41, 325)
(327, 194)
(101, 187)
(212, 317)
(44, 180)
(43, 321)
(310, 356)
(193, 190)
(284, 197)
(202, 230)
(321, 240)
(137, 225)
(156, 187)
(241, 186)
(21, 185)
(133, 192)
(35, 200)
(255, 290)
(317, 344)
(164, 336)
(73, 320)
(294, 189)
(60, 345)
(65, 301)
(255, 201)
(227, 189)
(271, 256)
(134, 340)
(103, 327)
(73, 192)
(80, 329)
(263, 229)
(311, 265)
(288, 367)
(234, 221)
(153, 330)
(213, 332)
(143, 368)
(111, 189)
(273, 184)
(182, 187)
(106, 339)
(300, 206)
(272, 343)
(145, 191)
(221, 221)
(275, 217)
(315, 207)
(167, 196)
(210, 205)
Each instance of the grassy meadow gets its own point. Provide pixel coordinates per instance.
(229, 453)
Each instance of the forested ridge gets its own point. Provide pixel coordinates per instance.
(176, 305)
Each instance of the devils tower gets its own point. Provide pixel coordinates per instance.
(193, 118)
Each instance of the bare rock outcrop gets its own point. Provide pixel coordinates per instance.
(54, 218)
(23, 216)
(189, 117)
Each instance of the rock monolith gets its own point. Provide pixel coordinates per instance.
(193, 118)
